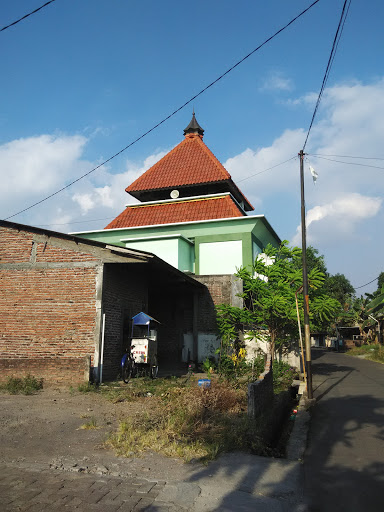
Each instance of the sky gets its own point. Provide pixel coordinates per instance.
(82, 79)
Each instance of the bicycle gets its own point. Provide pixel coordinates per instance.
(128, 366)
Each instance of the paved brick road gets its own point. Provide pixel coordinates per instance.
(37, 488)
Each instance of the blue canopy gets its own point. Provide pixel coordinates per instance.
(143, 319)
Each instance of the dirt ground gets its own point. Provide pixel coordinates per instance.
(45, 428)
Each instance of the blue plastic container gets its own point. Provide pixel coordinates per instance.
(204, 383)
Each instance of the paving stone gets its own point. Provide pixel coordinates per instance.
(96, 496)
(23, 489)
(146, 487)
(143, 504)
(62, 500)
(111, 496)
(74, 503)
(130, 503)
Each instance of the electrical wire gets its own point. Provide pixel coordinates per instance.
(265, 170)
(76, 222)
(366, 284)
(347, 156)
(335, 44)
(348, 163)
(110, 218)
(170, 115)
(26, 16)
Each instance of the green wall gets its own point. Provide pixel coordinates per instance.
(250, 230)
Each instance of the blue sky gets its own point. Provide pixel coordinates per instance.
(81, 79)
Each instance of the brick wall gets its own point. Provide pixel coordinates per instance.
(47, 306)
(220, 289)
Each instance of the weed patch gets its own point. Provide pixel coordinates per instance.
(87, 387)
(373, 352)
(89, 425)
(192, 423)
(27, 385)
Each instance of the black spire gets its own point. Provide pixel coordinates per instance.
(194, 127)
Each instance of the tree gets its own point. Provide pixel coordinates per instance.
(339, 287)
(269, 297)
(335, 286)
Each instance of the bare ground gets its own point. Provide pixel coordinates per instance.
(46, 428)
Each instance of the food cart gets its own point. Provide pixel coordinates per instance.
(144, 344)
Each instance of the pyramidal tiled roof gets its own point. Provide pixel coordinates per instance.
(185, 210)
(189, 163)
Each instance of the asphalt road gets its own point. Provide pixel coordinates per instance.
(344, 460)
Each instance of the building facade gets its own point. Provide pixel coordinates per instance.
(66, 305)
(190, 213)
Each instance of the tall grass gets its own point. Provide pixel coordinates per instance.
(27, 385)
(192, 423)
(373, 352)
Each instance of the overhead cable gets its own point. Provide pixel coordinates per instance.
(347, 156)
(76, 222)
(335, 44)
(27, 15)
(366, 284)
(348, 163)
(109, 218)
(265, 170)
(169, 116)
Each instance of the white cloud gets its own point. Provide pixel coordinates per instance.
(249, 168)
(339, 219)
(85, 201)
(34, 167)
(38, 164)
(276, 81)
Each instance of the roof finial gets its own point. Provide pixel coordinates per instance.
(194, 126)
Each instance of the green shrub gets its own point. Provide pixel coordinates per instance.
(27, 385)
(283, 375)
(238, 371)
(87, 387)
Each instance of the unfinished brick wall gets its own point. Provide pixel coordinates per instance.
(47, 306)
(221, 289)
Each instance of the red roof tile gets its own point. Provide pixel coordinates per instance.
(189, 163)
(177, 211)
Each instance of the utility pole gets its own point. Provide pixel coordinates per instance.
(305, 282)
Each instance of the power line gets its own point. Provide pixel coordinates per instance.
(366, 284)
(76, 222)
(348, 163)
(347, 156)
(335, 44)
(170, 115)
(26, 16)
(265, 170)
(109, 218)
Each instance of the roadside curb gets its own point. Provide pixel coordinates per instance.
(298, 439)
